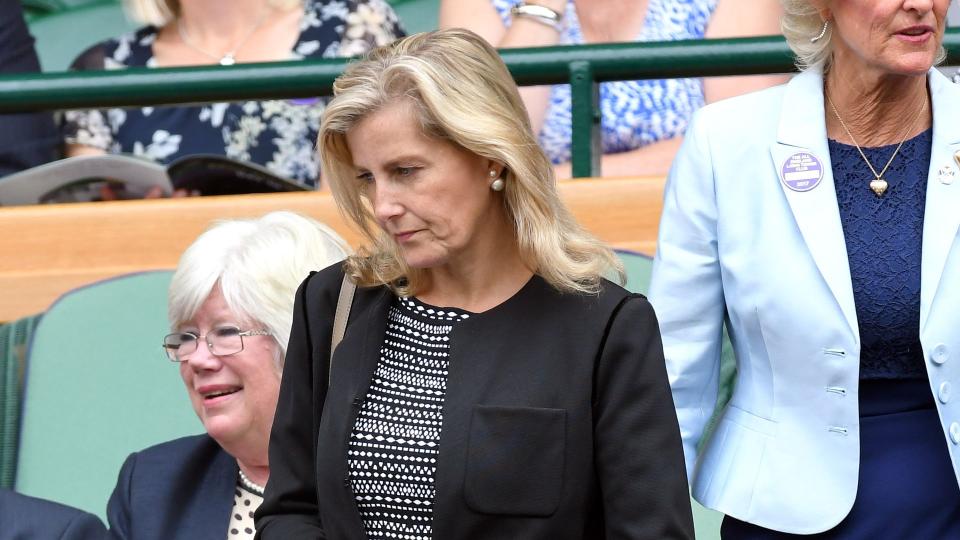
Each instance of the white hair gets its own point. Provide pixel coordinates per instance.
(800, 22)
(160, 12)
(258, 265)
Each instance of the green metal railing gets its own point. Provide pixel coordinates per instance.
(581, 66)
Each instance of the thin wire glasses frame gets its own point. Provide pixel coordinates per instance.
(221, 341)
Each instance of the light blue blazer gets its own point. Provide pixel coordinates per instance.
(737, 243)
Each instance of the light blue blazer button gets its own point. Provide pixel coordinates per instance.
(944, 393)
(940, 354)
(955, 433)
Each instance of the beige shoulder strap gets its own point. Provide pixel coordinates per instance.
(344, 301)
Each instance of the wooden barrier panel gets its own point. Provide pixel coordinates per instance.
(47, 250)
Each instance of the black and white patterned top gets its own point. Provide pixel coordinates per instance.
(392, 457)
(245, 503)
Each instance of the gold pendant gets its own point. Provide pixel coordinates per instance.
(879, 186)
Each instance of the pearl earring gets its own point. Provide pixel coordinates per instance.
(498, 184)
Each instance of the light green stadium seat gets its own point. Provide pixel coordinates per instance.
(62, 35)
(14, 337)
(639, 268)
(33, 9)
(97, 388)
(417, 15)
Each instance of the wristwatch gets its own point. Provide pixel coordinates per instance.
(538, 13)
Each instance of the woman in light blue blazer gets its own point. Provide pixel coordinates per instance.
(819, 221)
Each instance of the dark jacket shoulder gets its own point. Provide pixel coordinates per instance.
(30, 517)
(174, 487)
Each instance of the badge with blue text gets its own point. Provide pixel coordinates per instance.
(801, 171)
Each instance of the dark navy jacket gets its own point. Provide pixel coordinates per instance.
(178, 489)
(28, 518)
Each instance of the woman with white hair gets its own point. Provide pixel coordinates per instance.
(490, 383)
(278, 134)
(819, 220)
(231, 305)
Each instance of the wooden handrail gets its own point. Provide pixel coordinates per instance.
(47, 250)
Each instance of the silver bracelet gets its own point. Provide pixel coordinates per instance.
(538, 13)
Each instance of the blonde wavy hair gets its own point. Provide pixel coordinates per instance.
(161, 12)
(463, 94)
(801, 21)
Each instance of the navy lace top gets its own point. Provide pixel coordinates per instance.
(884, 237)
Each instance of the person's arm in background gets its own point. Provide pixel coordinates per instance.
(26, 140)
(728, 21)
(686, 287)
(481, 17)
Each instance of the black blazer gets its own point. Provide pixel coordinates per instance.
(28, 518)
(183, 488)
(558, 421)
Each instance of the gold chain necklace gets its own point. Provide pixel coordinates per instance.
(228, 58)
(878, 185)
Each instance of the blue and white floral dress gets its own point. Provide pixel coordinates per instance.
(633, 113)
(278, 134)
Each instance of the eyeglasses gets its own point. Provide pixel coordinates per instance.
(222, 341)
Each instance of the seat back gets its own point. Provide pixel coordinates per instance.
(63, 33)
(14, 337)
(98, 387)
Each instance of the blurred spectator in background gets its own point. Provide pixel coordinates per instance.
(642, 121)
(231, 307)
(23, 517)
(28, 139)
(278, 134)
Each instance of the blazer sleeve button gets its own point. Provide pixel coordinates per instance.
(940, 354)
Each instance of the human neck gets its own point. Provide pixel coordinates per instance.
(221, 24)
(479, 281)
(251, 453)
(256, 472)
(878, 109)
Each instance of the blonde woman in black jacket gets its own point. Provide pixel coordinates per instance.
(490, 382)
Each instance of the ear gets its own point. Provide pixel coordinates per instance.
(823, 8)
(493, 165)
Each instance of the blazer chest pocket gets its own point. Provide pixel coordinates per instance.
(515, 460)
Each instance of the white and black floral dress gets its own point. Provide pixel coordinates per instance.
(278, 134)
